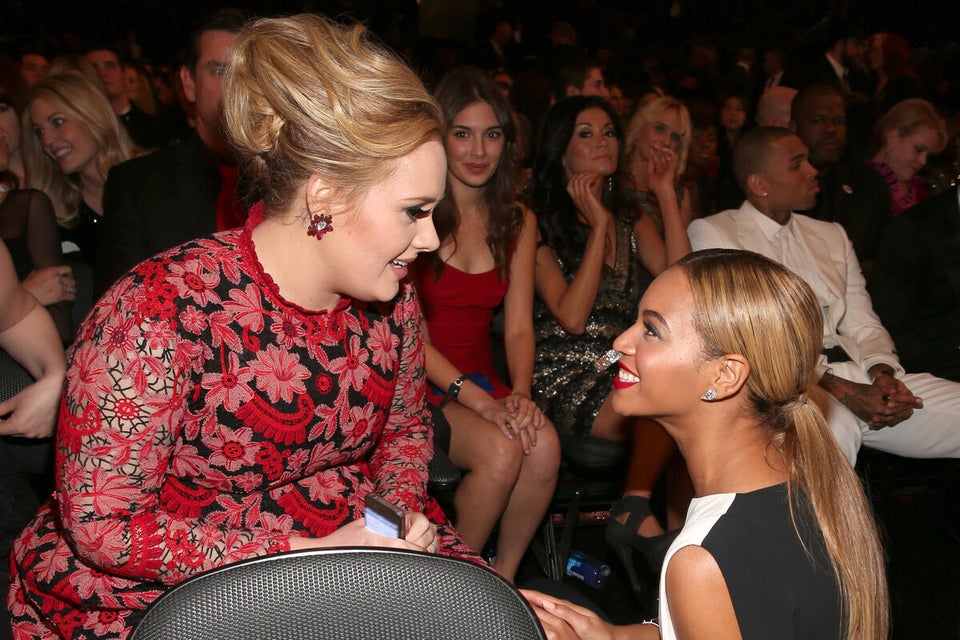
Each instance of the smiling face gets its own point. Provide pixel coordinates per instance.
(63, 139)
(373, 240)
(594, 147)
(474, 144)
(703, 146)
(907, 154)
(661, 373)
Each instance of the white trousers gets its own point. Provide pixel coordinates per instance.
(931, 432)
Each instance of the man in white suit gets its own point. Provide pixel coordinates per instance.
(863, 390)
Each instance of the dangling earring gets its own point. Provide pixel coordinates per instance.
(709, 395)
(322, 225)
(610, 183)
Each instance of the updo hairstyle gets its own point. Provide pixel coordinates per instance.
(307, 96)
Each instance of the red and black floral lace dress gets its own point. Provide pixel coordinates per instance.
(205, 421)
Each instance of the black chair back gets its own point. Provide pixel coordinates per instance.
(362, 593)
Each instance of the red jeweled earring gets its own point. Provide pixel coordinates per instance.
(322, 225)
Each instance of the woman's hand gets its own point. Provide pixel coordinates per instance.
(563, 620)
(51, 285)
(586, 191)
(352, 534)
(421, 532)
(529, 418)
(662, 171)
(33, 411)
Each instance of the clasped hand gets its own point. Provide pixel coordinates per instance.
(518, 417)
(885, 403)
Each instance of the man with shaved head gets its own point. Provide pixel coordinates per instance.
(850, 193)
(863, 390)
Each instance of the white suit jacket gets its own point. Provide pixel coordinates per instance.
(848, 311)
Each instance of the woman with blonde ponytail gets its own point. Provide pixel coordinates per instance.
(780, 542)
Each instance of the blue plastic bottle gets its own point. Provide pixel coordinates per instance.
(593, 572)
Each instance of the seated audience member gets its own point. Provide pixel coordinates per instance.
(915, 285)
(592, 252)
(146, 129)
(76, 140)
(850, 193)
(33, 66)
(187, 189)
(773, 107)
(889, 59)
(584, 79)
(774, 61)
(28, 226)
(700, 177)
(486, 262)
(907, 135)
(731, 123)
(663, 123)
(863, 390)
(780, 541)
(243, 393)
(27, 419)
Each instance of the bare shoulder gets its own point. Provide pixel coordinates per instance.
(697, 595)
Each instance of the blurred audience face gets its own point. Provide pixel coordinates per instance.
(474, 144)
(620, 103)
(595, 85)
(664, 131)
(108, 69)
(32, 68)
(733, 114)
(68, 143)
(821, 123)
(703, 146)
(594, 147)
(907, 154)
(203, 86)
(10, 128)
(131, 83)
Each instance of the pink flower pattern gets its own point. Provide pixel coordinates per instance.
(205, 421)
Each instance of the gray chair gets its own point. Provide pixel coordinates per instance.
(355, 592)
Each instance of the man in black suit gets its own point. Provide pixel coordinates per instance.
(158, 201)
(915, 285)
(850, 193)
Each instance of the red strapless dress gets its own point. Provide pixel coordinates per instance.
(459, 309)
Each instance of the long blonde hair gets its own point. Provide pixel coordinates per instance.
(81, 101)
(750, 305)
(306, 96)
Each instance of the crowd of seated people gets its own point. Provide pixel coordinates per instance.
(577, 172)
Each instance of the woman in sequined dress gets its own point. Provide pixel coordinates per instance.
(588, 266)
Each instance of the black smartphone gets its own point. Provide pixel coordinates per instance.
(382, 517)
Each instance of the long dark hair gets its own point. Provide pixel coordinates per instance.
(457, 90)
(556, 213)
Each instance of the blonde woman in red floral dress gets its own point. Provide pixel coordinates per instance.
(240, 395)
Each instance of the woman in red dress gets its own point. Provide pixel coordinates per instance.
(487, 244)
(241, 394)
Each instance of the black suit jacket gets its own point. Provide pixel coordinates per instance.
(858, 198)
(915, 285)
(156, 202)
